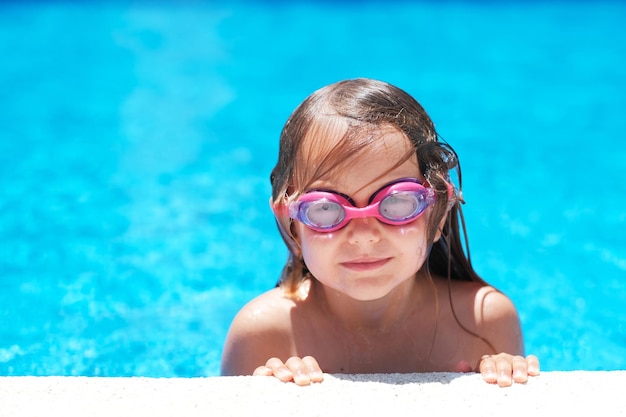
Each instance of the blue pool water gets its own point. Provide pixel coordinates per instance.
(136, 141)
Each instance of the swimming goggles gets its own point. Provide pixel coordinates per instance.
(396, 203)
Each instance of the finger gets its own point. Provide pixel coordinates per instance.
(504, 369)
(299, 370)
(279, 369)
(263, 371)
(315, 372)
(533, 365)
(520, 369)
(488, 369)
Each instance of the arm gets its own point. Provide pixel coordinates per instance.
(499, 323)
(259, 335)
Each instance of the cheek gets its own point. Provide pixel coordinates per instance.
(316, 242)
(314, 245)
(416, 227)
(411, 242)
(319, 252)
(317, 258)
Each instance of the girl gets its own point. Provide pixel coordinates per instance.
(377, 279)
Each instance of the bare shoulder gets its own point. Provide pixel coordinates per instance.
(493, 306)
(268, 309)
(260, 330)
(487, 303)
(491, 314)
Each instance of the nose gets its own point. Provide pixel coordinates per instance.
(363, 230)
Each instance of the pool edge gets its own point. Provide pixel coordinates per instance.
(556, 392)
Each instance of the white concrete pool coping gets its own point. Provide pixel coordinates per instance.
(551, 393)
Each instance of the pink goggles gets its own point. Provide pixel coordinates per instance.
(396, 203)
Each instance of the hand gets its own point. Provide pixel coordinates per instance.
(504, 369)
(302, 371)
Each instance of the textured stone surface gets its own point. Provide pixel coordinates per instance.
(551, 393)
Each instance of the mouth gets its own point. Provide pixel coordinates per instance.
(365, 264)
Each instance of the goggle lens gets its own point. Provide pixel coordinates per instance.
(321, 214)
(403, 205)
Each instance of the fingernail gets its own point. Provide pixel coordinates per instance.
(301, 379)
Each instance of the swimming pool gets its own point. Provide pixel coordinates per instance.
(136, 143)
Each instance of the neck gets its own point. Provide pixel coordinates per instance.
(380, 315)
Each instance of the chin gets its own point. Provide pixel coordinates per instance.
(370, 291)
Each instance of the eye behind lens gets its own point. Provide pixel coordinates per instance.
(321, 214)
(403, 205)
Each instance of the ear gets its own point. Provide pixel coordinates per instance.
(277, 209)
(291, 238)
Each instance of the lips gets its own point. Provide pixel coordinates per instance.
(365, 264)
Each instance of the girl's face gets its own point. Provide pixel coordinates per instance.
(367, 259)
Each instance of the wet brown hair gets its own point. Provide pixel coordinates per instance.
(358, 108)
